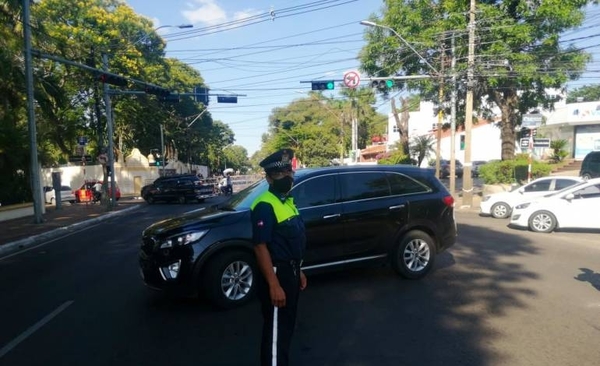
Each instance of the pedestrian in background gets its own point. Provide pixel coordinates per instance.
(279, 244)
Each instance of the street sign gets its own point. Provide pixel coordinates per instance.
(226, 99)
(541, 142)
(102, 159)
(531, 120)
(525, 143)
(351, 79)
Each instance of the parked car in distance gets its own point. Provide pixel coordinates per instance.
(398, 214)
(475, 165)
(590, 167)
(499, 205)
(180, 188)
(85, 193)
(66, 194)
(445, 168)
(574, 207)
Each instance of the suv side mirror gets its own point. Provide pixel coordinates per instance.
(570, 196)
(521, 190)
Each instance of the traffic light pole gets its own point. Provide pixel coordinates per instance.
(109, 128)
(35, 169)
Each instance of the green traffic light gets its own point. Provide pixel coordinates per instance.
(389, 83)
(330, 85)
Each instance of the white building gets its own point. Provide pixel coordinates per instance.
(578, 123)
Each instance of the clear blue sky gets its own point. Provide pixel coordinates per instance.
(305, 40)
(266, 57)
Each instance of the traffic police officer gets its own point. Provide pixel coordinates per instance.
(279, 244)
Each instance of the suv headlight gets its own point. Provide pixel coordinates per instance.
(522, 206)
(182, 239)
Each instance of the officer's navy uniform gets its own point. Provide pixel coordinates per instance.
(277, 223)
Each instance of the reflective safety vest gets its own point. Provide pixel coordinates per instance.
(283, 210)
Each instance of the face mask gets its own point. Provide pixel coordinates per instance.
(283, 185)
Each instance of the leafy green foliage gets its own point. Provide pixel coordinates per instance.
(587, 93)
(514, 74)
(558, 150)
(512, 171)
(318, 128)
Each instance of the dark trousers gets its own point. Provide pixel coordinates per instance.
(289, 279)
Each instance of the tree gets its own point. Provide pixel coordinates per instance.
(587, 93)
(516, 74)
(422, 147)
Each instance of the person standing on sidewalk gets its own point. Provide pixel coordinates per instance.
(279, 244)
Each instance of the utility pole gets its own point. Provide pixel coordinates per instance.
(453, 123)
(35, 168)
(467, 179)
(109, 129)
(162, 149)
(354, 133)
(438, 148)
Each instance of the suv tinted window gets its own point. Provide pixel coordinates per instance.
(364, 185)
(401, 184)
(315, 192)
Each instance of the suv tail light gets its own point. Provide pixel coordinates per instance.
(448, 201)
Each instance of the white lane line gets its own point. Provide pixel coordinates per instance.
(15, 342)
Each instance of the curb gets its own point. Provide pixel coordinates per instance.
(18, 245)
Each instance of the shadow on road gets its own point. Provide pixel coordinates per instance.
(373, 317)
(587, 275)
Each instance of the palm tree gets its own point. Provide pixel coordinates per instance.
(422, 147)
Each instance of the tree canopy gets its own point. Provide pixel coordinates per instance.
(520, 62)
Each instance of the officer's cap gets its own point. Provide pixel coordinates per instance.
(278, 161)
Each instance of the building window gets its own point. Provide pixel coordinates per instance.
(395, 128)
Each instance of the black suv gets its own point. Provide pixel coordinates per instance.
(590, 168)
(398, 213)
(179, 188)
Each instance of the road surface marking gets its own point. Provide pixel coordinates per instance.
(15, 342)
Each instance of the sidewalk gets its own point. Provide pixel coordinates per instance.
(21, 233)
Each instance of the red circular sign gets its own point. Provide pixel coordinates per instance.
(351, 79)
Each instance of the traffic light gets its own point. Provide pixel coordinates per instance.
(322, 85)
(201, 94)
(171, 98)
(112, 79)
(382, 84)
(157, 90)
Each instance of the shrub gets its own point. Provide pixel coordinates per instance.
(512, 171)
(559, 152)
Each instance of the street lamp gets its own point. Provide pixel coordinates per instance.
(441, 92)
(373, 24)
(181, 26)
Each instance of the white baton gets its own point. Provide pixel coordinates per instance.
(274, 345)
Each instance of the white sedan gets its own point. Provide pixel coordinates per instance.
(66, 194)
(500, 205)
(573, 207)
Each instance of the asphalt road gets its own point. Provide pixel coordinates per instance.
(499, 297)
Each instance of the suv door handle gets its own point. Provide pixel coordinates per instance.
(396, 207)
(334, 216)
